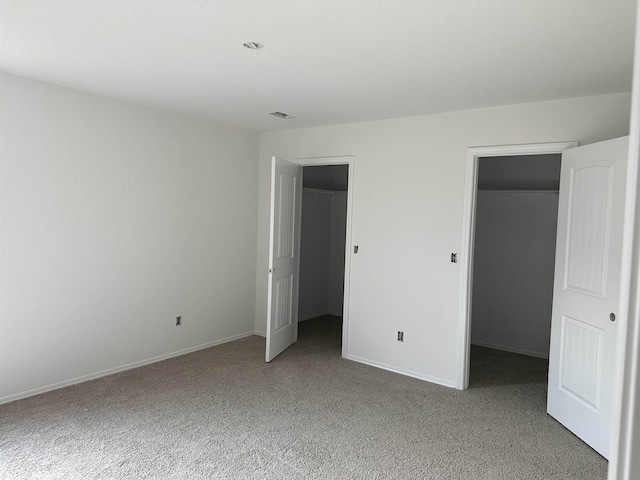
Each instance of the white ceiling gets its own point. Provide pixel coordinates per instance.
(323, 61)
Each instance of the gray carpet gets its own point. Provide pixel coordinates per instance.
(224, 413)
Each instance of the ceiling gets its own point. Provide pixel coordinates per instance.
(323, 61)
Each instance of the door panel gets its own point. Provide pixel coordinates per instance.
(282, 309)
(586, 289)
(589, 228)
(581, 361)
(284, 302)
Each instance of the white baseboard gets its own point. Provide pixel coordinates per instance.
(511, 349)
(260, 333)
(122, 368)
(402, 371)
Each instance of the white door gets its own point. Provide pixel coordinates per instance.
(284, 260)
(586, 292)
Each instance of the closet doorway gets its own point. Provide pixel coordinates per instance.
(514, 253)
(531, 179)
(322, 251)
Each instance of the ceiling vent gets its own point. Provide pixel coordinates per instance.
(253, 45)
(284, 116)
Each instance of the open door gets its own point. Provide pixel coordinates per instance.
(586, 292)
(284, 256)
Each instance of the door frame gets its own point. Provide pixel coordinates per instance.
(468, 237)
(327, 161)
(623, 464)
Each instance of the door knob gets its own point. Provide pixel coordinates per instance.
(612, 317)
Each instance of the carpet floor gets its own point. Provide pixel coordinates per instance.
(223, 413)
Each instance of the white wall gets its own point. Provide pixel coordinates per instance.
(114, 219)
(407, 216)
(314, 254)
(322, 243)
(337, 238)
(513, 270)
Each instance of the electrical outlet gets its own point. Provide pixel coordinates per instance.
(401, 336)
(178, 320)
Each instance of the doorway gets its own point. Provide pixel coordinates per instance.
(586, 291)
(502, 172)
(514, 253)
(322, 250)
(284, 250)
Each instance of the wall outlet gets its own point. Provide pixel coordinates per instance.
(401, 336)
(178, 320)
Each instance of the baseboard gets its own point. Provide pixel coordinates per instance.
(511, 349)
(122, 368)
(402, 371)
(260, 333)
